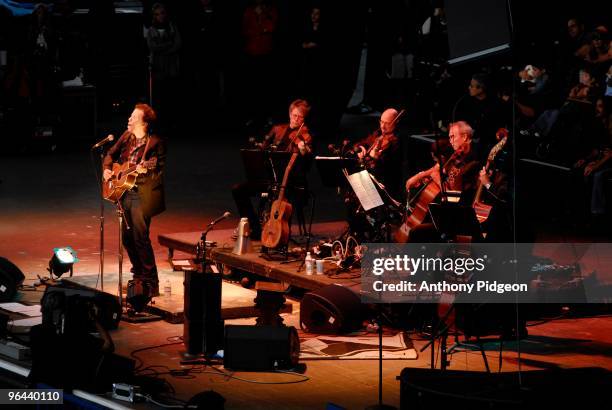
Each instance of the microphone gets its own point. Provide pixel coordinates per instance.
(104, 141)
(219, 219)
(346, 150)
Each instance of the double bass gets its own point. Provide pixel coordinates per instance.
(483, 210)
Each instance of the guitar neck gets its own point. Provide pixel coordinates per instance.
(281, 193)
(478, 194)
(131, 169)
(494, 151)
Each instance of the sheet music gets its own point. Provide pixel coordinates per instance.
(30, 310)
(365, 190)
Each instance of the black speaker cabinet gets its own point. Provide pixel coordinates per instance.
(203, 326)
(260, 348)
(57, 300)
(425, 389)
(11, 278)
(331, 309)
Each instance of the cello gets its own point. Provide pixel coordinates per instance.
(417, 207)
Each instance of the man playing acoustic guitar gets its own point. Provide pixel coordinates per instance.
(146, 152)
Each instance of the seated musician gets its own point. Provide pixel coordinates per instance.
(460, 173)
(379, 153)
(497, 185)
(291, 137)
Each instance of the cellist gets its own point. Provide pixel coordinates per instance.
(459, 173)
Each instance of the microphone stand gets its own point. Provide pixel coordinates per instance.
(213, 331)
(100, 147)
(380, 405)
(122, 223)
(101, 152)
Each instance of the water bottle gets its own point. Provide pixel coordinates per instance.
(167, 288)
(309, 263)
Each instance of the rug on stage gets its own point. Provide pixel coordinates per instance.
(359, 346)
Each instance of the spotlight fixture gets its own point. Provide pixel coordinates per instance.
(62, 261)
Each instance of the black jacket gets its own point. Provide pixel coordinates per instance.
(150, 185)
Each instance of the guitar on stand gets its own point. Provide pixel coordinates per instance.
(275, 231)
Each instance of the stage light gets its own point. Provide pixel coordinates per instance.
(62, 261)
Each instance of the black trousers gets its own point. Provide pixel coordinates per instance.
(136, 239)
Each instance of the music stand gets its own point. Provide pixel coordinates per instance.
(266, 167)
(256, 167)
(452, 220)
(331, 170)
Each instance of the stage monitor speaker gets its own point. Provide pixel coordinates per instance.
(76, 360)
(260, 348)
(67, 304)
(331, 309)
(203, 326)
(424, 389)
(476, 28)
(11, 278)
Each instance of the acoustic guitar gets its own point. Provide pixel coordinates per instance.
(276, 229)
(123, 179)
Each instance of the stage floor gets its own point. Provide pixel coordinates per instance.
(352, 384)
(51, 200)
(236, 302)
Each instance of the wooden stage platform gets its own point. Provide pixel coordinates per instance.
(290, 273)
(236, 302)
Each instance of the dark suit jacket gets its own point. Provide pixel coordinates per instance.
(150, 185)
(387, 166)
(285, 138)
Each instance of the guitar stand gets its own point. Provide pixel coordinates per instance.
(469, 346)
(280, 253)
(440, 331)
